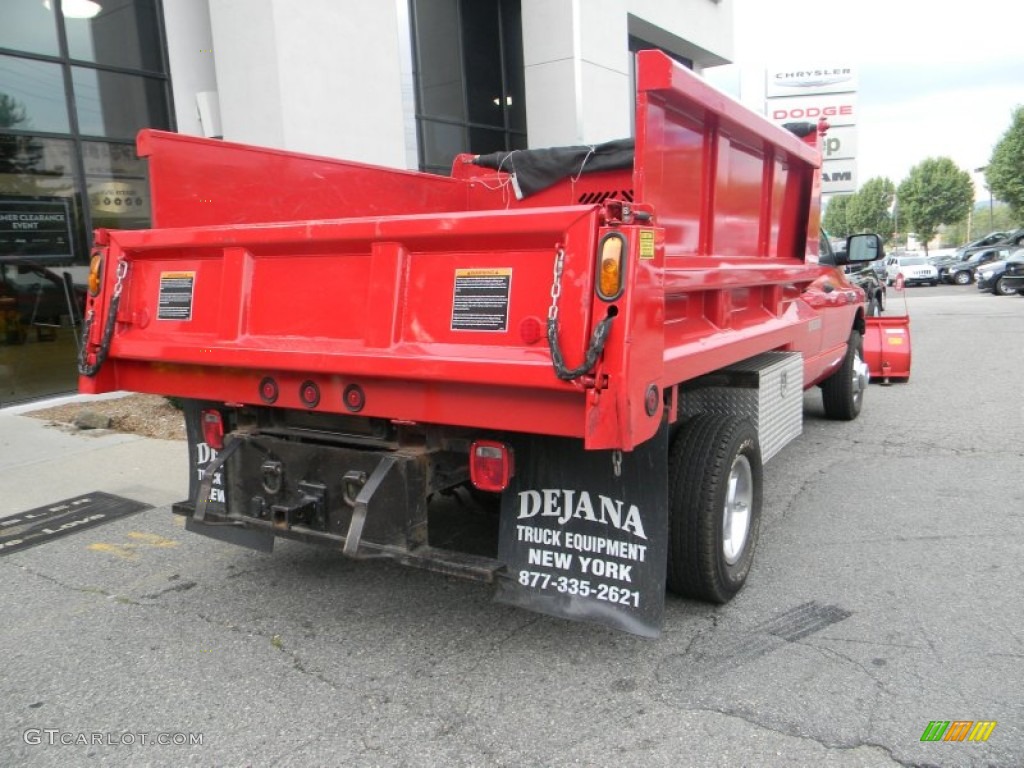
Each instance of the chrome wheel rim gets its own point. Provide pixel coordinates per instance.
(739, 498)
(861, 376)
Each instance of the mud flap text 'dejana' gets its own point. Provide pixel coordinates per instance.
(583, 542)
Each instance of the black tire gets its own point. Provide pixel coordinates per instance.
(962, 278)
(842, 393)
(1001, 289)
(715, 477)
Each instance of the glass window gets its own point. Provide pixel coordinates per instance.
(441, 143)
(116, 105)
(28, 26)
(122, 34)
(32, 96)
(439, 71)
(515, 76)
(484, 140)
(469, 71)
(116, 182)
(483, 64)
(39, 212)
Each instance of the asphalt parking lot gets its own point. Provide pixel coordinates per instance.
(886, 594)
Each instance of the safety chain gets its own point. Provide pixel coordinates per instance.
(84, 368)
(556, 285)
(597, 342)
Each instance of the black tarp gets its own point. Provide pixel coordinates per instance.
(535, 170)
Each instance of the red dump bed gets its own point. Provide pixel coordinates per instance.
(433, 294)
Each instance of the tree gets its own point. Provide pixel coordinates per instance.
(983, 220)
(1005, 172)
(869, 209)
(19, 155)
(835, 221)
(935, 192)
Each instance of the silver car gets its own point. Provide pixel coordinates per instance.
(915, 270)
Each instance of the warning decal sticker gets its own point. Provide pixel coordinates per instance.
(481, 299)
(646, 243)
(176, 295)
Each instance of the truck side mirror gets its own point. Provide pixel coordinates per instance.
(864, 248)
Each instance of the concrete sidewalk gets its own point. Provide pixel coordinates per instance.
(40, 465)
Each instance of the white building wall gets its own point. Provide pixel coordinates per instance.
(332, 77)
(245, 49)
(576, 53)
(191, 58)
(340, 79)
(320, 76)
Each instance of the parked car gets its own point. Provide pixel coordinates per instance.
(1010, 239)
(963, 273)
(993, 275)
(982, 242)
(1013, 277)
(915, 270)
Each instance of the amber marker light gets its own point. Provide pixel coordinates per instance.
(610, 267)
(95, 273)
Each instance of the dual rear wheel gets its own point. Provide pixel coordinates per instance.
(715, 480)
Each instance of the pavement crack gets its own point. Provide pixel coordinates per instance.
(824, 744)
(879, 684)
(182, 587)
(81, 590)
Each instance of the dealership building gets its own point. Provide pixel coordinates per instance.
(399, 83)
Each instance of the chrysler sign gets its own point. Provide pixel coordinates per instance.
(801, 81)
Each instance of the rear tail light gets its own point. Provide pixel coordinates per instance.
(490, 465)
(213, 428)
(613, 248)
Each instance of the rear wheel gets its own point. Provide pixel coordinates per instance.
(962, 278)
(842, 393)
(714, 506)
(1003, 289)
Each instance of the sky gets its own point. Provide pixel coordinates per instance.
(935, 78)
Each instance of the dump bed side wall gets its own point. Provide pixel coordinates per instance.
(198, 182)
(736, 198)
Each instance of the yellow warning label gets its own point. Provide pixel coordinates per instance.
(483, 272)
(175, 299)
(646, 243)
(481, 299)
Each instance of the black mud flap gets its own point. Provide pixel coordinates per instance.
(582, 542)
(208, 491)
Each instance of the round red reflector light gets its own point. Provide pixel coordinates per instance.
(268, 391)
(530, 330)
(354, 398)
(651, 400)
(310, 394)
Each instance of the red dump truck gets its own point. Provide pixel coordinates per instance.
(608, 342)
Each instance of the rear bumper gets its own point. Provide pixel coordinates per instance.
(365, 504)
